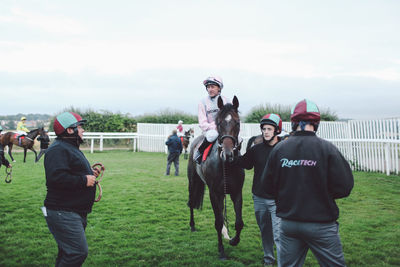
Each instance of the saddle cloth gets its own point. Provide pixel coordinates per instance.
(207, 151)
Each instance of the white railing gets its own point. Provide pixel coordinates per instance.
(102, 136)
(368, 145)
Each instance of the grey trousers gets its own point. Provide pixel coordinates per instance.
(322, 238)
(173, 157)
(269, 224)
(68, 229)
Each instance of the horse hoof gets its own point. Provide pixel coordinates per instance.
(234, 241)
(223, 257)
(192, 229)
(14, 161)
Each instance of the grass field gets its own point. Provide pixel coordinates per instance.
(143, 220)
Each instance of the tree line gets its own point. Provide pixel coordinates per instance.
(106, 121)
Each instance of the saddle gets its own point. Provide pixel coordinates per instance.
(206, 151)
(19, 137)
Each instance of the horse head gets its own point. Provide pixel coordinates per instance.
(228, 126)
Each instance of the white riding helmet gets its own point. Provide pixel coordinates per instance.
(214, 80)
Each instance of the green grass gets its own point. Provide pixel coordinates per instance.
(143, 220)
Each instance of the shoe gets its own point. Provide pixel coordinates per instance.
(197, 157)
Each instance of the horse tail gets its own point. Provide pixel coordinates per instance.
(196, 188)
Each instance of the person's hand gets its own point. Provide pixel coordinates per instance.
(91, 180)
(96, 172)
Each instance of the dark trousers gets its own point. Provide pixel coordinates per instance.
(322, 238)
(173, 157)
(68, 229)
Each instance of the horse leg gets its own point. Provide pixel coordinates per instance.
(185, 155)
(25, 149)
(237, 202)
(192, 228)
(217, 203)
(9, 152)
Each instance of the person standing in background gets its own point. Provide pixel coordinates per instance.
(175, 149)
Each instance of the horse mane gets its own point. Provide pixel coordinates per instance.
(227, 109)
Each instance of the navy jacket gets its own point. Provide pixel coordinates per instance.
(174, 144)
(66, 168)
(305, 174)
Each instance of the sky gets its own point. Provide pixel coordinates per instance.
(140, 57)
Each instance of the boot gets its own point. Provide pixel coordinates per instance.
(199, 153)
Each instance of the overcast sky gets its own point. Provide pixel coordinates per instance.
(145, 56)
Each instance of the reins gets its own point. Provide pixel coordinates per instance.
(224, 174)
(99, 176)
(9, 174)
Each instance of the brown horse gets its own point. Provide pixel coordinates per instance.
(186, 140)
(26, 142)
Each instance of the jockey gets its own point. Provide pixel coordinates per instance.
(179, 128)
(207, 112)
(21, 126)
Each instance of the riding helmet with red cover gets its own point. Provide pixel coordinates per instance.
(305, 111)
(274, 120)
(67, 120)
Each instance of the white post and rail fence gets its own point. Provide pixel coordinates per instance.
(368, 145)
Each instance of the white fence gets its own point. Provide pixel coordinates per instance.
(102, 136)
(372, 145)
(369, 145)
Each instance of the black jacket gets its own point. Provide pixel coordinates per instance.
(174, 144)
(256, 157)
(306, 174)
(66, 168)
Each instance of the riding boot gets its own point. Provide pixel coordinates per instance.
(199, 153)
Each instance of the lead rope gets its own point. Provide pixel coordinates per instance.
(224, 173)
(100, 171)
(9, 174)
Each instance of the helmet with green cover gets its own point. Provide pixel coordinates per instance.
(67, 120)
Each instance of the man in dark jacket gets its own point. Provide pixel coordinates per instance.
(264, 204)
(70, 190)
(175, 149)
(305, 174)
(44, 144)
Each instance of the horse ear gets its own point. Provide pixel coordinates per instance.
(220, 102)
(235, 102)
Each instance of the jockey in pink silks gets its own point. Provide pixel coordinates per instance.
(207, 112)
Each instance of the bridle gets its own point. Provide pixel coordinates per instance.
(100, 171)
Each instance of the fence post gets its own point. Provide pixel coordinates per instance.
(387, 159)
(134, 144)
(101, 142)
(91, 145)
